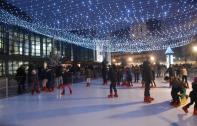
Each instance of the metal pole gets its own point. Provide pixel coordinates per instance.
(6, 86)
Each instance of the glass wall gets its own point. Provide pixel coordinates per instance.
(14, 65)
(47, 46)
(15, 42)
(26, 45)
(2, 38)
(35, 45)
(2, 68)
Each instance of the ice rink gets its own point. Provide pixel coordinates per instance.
(91, 107)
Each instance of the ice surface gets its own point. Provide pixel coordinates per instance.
(91, 107)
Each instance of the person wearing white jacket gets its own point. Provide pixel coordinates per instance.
(184, 76)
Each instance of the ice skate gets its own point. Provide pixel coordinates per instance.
(32, 91)
(195, 112)
(185, 109)
(63, 92)
(151, 98)
(177, 104)
(38, 91)
(116, 94)
(147, 100)
(110, 95)
(70, 90)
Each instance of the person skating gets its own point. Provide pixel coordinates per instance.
(67, 81)
(129, 77)
(113, 80)
(21, 78)
(104, 73)
(147, 77)
(88, 75)
(171, 73)
(184, 75)
(153, 84)
(136, 73)
(34, 81)
(176, 90)
(193, 98)
(58, 76)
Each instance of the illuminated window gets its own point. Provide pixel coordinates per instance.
(2, 38)
(16, 42)
(35, 45)
(14, 65)
(26, 45)
(47, 46)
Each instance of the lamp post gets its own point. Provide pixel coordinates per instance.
(169, 56)
(195, 51)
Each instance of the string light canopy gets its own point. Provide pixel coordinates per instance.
(113, 25)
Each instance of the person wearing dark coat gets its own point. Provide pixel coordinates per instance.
(50, 79)
(104, 74)
(58, 76)
(171, 73)
(21, 78)
(44, 79)
(153, 84)
(34, 81)
(119, 75)
(147, 77)
(176, 89)
(113, 79)
(67, 81)
(136, 73)
(193, 98)
(129, 77)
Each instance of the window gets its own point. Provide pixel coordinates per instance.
(14, 65)
(26, 45)
(16, 42)
(47, 46)
(2, 68)
(2, 38)
(35, 44)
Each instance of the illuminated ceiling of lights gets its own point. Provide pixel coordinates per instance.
(113, 25)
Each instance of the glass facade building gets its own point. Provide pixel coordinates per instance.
(20, 46)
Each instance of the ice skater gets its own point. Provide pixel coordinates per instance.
(67, 81)
(88, 75)
(113, 80)
(193, 98)
(34, 81)
(147, 77)
(153, 84)
(175, 92)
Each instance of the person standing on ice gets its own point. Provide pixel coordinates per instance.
(88, 76)
(171, 73)
(113, 79)
(193, 98)
(104, 73)
(147, 77)
(67, 81)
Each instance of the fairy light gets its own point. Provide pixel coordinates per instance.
(153, 24)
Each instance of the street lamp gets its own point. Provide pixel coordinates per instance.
(152, 58)
(195, 50)
(130, 59)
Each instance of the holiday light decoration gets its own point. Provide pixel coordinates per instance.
(114, 25)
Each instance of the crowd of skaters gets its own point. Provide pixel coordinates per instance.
(46, 79)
